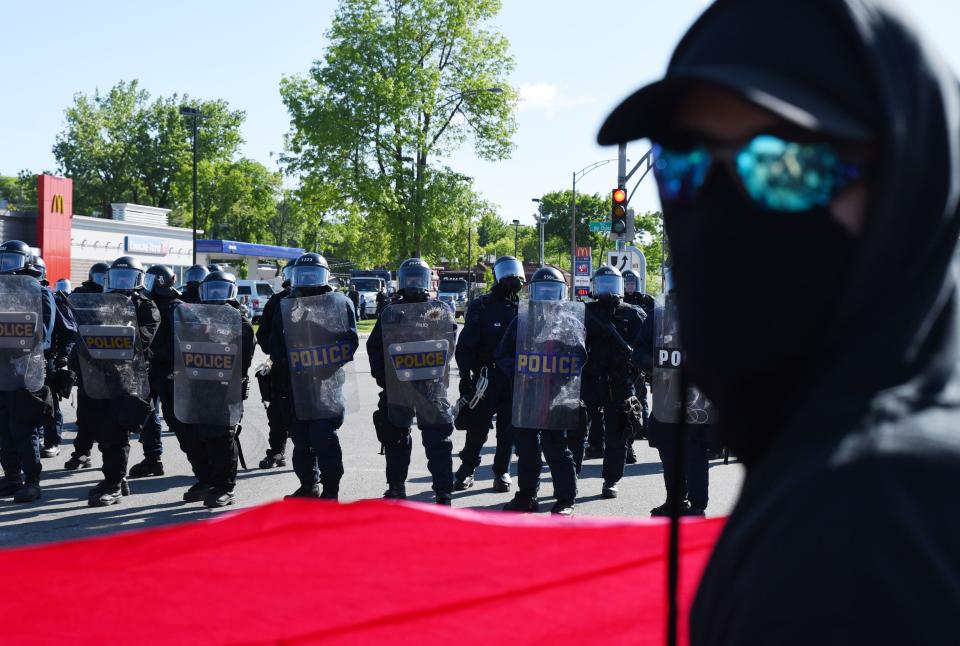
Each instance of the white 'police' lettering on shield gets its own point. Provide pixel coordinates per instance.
(669, 358)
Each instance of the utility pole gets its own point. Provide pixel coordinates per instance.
(540, 224)
(196, 115)
(516, 237)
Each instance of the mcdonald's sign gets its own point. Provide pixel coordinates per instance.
(54, 217)
(57, 206)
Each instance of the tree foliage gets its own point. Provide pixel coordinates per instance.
(402, 84)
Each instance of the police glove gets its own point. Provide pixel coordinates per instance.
(245, 388)
(63, 381)
(467, 388)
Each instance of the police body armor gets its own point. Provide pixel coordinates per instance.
(668, 356)
(318, 340)
(418, 344)
(111, 359)
(21, 334)
(551, 352)
(207, 364)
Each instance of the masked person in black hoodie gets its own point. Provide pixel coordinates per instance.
(823, 138)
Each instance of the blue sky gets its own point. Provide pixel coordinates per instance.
(571, 69)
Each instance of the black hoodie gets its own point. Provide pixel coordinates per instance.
(847, 529)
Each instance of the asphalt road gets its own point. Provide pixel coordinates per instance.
(63, 513)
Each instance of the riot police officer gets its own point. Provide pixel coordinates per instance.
(404, 328)
(612, 326)
(159, 285)
(122, 405)
(486, 320)
(274, 386)
(86, 434)
(542, 353)
(314, 336)
(634, 295)
(26, 403)
(192, 280)
(208, 410)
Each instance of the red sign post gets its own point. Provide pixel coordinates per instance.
(54, 223)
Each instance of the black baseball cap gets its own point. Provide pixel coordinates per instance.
(794, 58)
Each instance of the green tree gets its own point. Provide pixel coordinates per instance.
(402, 83)
(19, 192)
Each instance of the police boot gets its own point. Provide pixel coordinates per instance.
(77, 462)
(562, 508)
(464, 483)
(51, 451)
(104, 495)
(311, 491)
(331, 491)
(218, 497)
(100, 487)
(631, 455)
(664, 509)
(148, 467)
(9, 485)
(396, 490)
(444, 498)
(610, 489)
(522, 504)
(29, 492)
(501, 482)
(273, 460)
(197, 492)
(593, 452)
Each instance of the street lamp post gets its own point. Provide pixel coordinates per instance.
(578, 175)
(196, 115)
(540, 224)
(516, 236)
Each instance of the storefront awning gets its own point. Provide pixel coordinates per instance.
(235, 248)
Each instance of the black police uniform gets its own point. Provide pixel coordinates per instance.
(191, 293)
(646, 303)
(274, 386)
(317, 456)
(86, 431)
(24, 413)
(486, 321)
(60, 378)
(112, 418)
(396, 441)
(609, 376)
(212, 450)
(531, 442)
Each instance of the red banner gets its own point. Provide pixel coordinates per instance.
(371, 572)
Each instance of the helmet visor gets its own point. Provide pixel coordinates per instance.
(309, 276)
(415, 278)
(507, 268)
(149, 281)
(196, 274)
(630, 284)
(603, 285)
(217, 290)
(124, 279)
(63, 285)
(99, 277)
(12, 262)
(547, 291)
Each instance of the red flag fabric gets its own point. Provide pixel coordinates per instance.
(372, 572)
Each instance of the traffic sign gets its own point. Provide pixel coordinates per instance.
(630, 258)
(599, 226)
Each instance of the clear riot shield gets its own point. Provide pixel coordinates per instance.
(111, 360)
(21, 334)
(418, 344)
(207, 364)
(668, 359)
(319, 343)
(551, 351)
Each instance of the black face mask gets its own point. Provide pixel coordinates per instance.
(786, 273)
(611, 301)
(511, 285)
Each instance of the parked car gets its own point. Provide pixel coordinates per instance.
(258, 292)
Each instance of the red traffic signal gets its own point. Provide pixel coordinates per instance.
(618, 213)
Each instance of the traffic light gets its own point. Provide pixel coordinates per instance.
(618, 214)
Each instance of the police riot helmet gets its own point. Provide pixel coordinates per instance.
(15, 256)
(215, 267)
(37, 267)
(608, 283)
(98, 273)
(125, 275)
(63, 285)
(309, 270)
(160, 280)
(196, 274)
(413, 277)
(285, 272)
(218, 287)
(508, 272)
(547, 284)
(631, 281)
